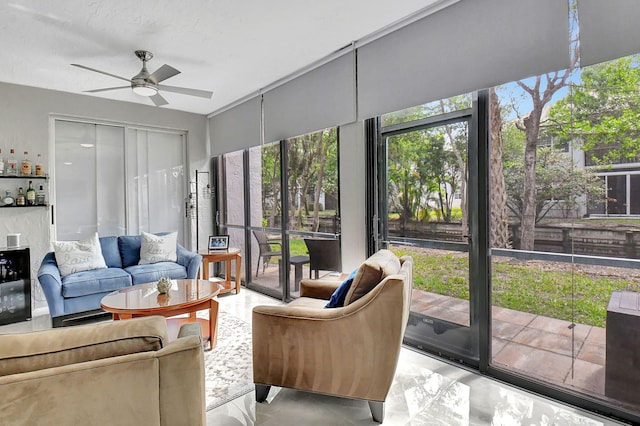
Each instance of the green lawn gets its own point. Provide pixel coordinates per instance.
(532, 287)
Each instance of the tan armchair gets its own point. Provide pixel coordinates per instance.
(121, 372)
(350, 351)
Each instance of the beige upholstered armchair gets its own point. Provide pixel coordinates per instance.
(350, 351)
(121, 372)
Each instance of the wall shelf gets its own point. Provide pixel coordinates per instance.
(25, 177)
(13, 206)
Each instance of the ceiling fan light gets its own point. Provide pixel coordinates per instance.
(145, 90)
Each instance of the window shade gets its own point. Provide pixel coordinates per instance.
(470, 45)
(608, 30)
(321, 98)
(237, 128)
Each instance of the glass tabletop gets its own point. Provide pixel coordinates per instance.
(146, 296)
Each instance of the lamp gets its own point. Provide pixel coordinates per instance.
(144, 90)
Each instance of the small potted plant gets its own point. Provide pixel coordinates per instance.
(164, 285)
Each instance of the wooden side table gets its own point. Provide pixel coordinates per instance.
(215, 256)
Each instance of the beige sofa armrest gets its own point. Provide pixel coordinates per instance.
(318, 289)
(182, 391)
(61, 346)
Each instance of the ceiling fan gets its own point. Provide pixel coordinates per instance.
(146, 84)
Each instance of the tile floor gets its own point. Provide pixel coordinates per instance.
(426, 391)
(522, 342)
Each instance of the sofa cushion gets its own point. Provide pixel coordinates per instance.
(158, 248)
(96, 281)
(110, 252)
(154, 271)
(38, 350)
(76, 256)
(371, 272)
(129, 246)
(338, 296)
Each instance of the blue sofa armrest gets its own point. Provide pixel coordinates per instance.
(51, 283)
(189, 260)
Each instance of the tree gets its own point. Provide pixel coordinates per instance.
(603, 112)
(541, 91)
(271, 194)
(499, 237)
(559, 183)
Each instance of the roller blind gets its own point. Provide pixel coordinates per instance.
(470, 45)
(237, 128)
(608, 29)
(321, 98)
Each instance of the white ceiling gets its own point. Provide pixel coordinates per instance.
(233, 47)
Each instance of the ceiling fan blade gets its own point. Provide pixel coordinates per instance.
(163, 73)
(107, 88)
(101, 72)
(158, 100)
(185, 91)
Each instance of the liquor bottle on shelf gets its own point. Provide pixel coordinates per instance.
(39, 169)
(31, 195)
(26, 165)
(40, 196)
(20, 199)
(1, 163)
(12, 164)
(8, 199)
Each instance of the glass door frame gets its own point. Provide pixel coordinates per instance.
(220, 219)
(476, 353)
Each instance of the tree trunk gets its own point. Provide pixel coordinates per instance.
(532, 130)
(462, 164)
(499, 227)
(323, 147)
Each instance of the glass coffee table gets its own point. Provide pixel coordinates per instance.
(185, 297)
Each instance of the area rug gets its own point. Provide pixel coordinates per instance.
(228, 367)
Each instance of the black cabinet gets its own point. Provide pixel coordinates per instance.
(15, 285)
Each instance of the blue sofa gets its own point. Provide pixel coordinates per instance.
(78, 295)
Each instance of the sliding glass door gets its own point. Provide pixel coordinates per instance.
(424, 176)
(116, 180)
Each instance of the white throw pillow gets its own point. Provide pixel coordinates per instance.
(76, 256)
(158, 248)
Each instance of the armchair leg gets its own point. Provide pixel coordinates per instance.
(262, 391)
(377, 410)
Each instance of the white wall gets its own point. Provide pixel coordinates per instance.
(353, 195)
(24, 125)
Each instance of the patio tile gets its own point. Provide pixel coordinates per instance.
(597, 335)
(456, 304)
(552, 342)
(593, 352)
(504, 330)
(420, 307)
(558, 326)
(509, 315)
(497, 344)
(447, 314)
(587, 377)
(534, 362)
(433, 299)
(418, 295)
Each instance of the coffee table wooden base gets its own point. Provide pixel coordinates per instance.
(208, 327)
(184, 300)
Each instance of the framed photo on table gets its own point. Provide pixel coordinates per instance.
(218, 242)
